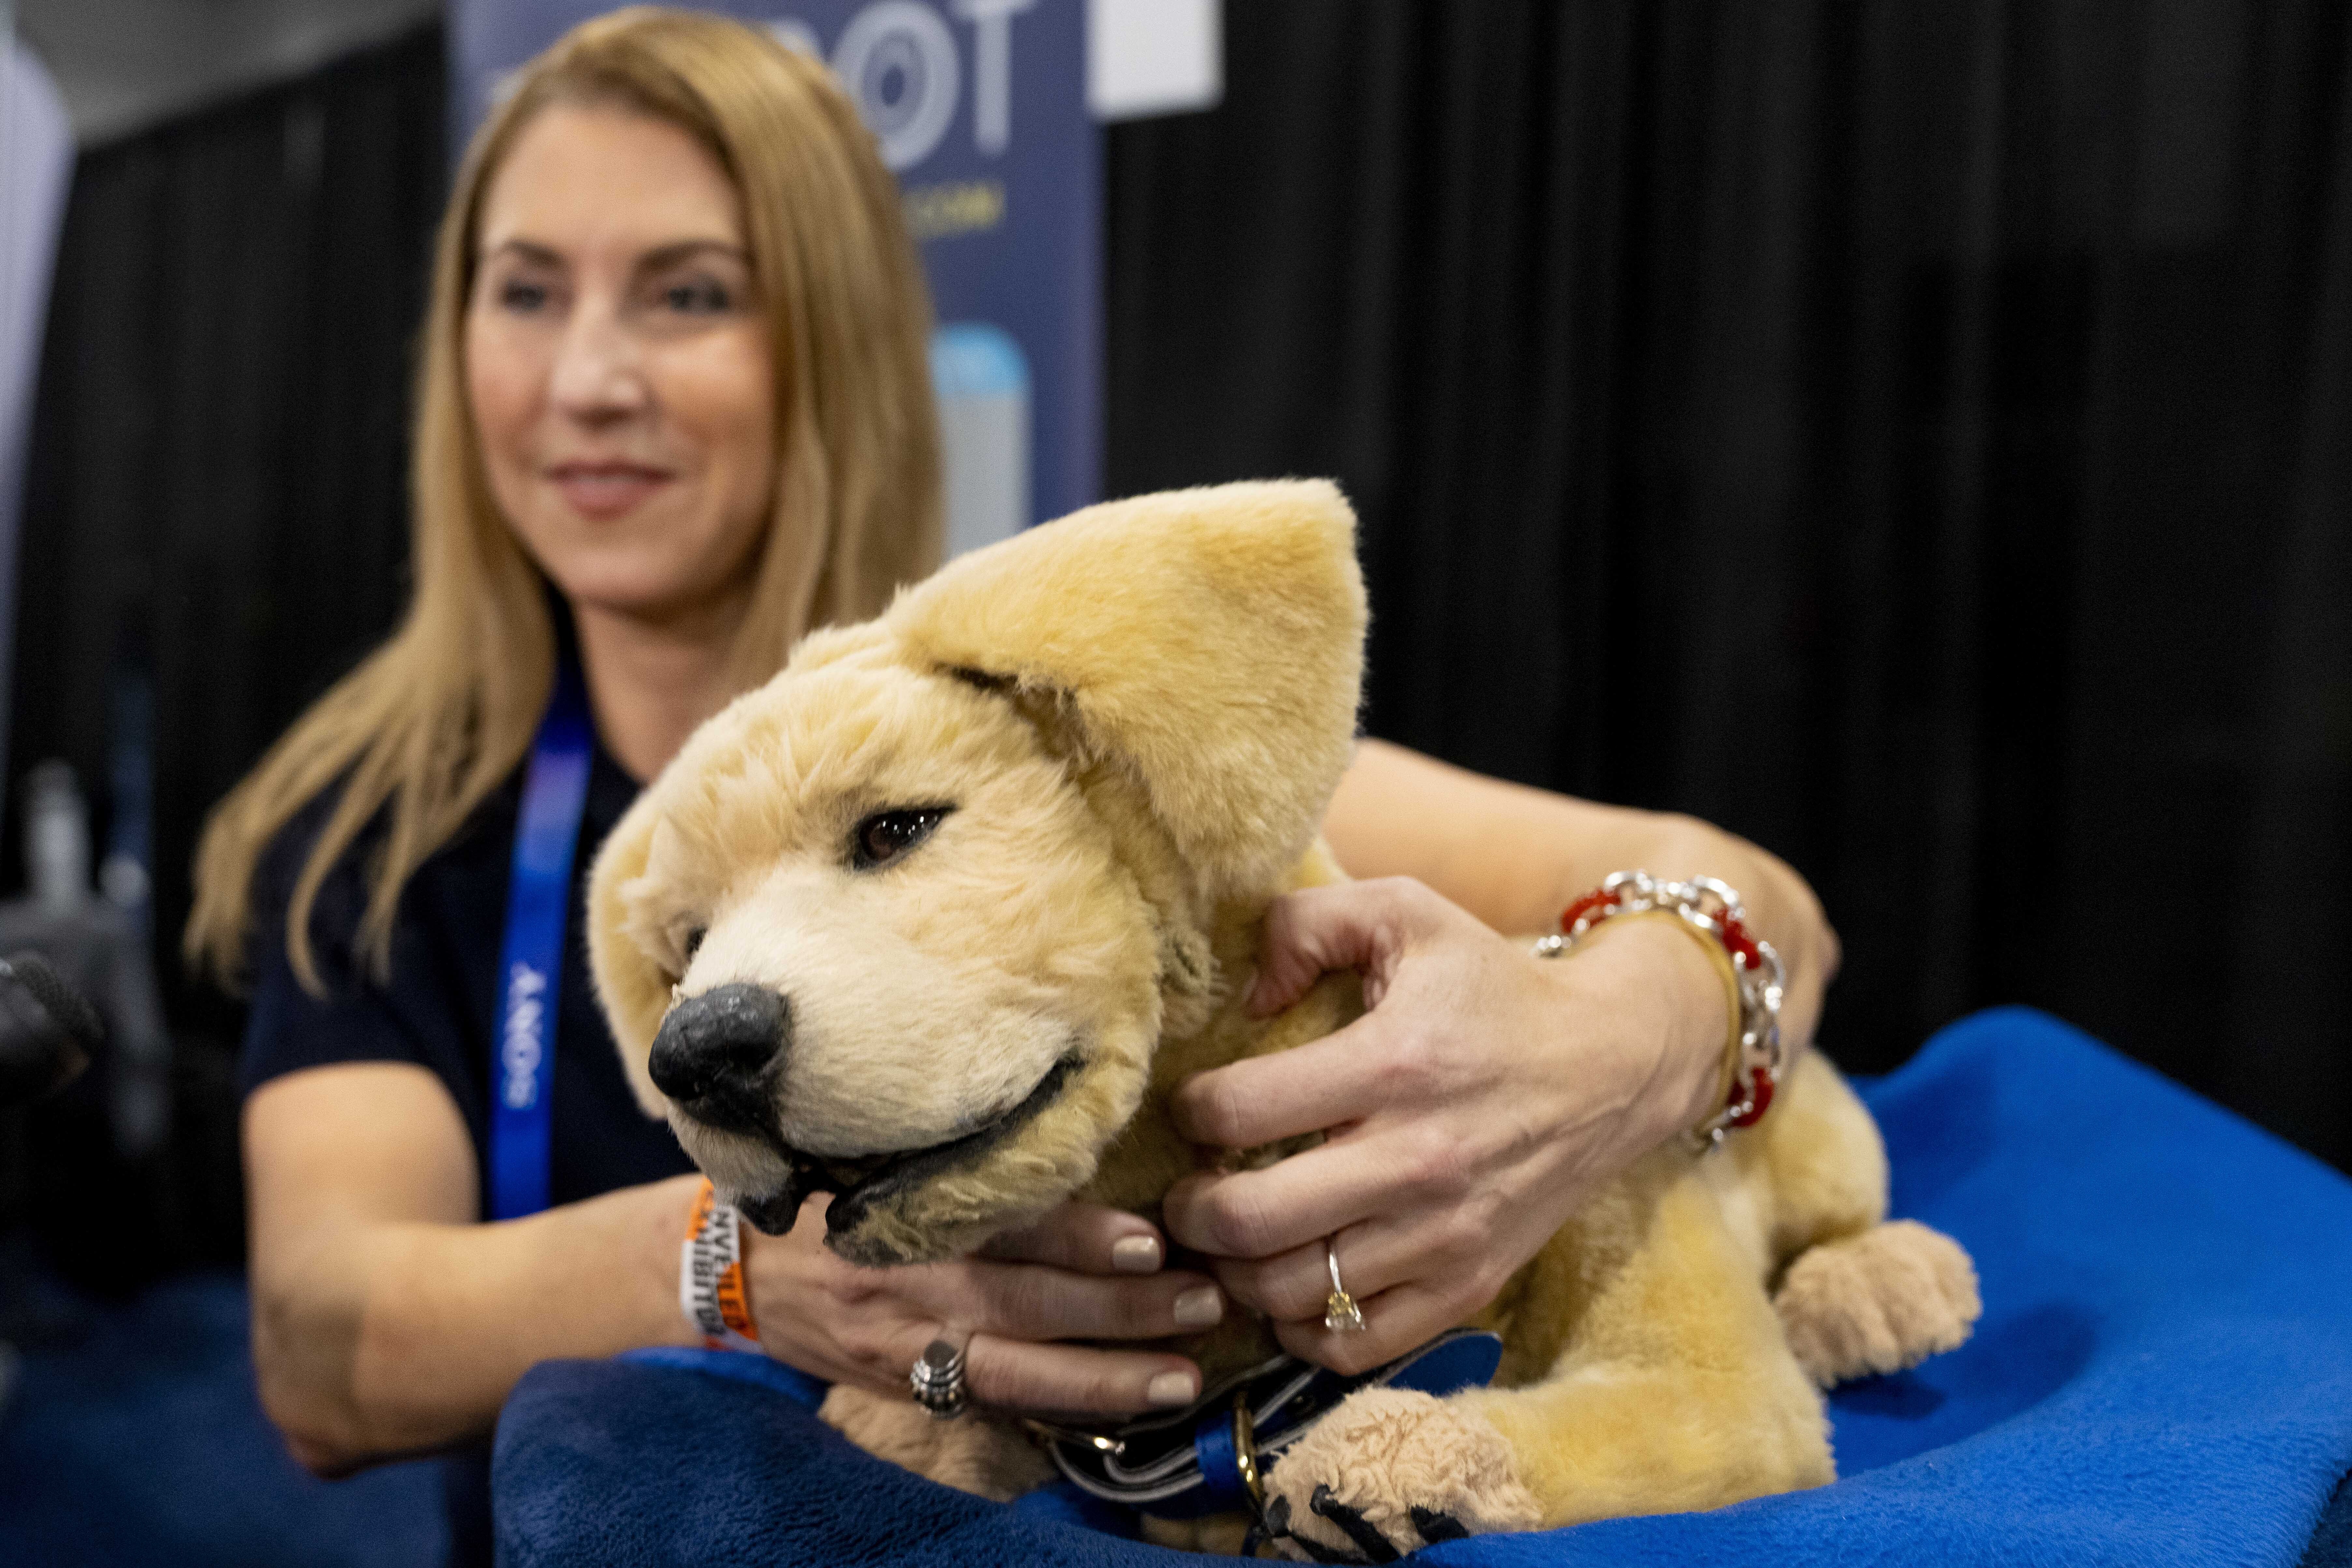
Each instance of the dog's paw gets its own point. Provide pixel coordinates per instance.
(1877, 1302)
(1388, 1472)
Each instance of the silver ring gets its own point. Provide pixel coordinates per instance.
(1340, 1313)
(938, 1380)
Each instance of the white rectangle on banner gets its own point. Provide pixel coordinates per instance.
(1154, 57)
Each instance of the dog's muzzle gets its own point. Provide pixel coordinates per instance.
(865, 1182)
(717, 1056)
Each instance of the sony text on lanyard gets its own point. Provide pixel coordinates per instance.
(531, 958)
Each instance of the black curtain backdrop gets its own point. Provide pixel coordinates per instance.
(1911, 435)
(216, 500)
(215, 529)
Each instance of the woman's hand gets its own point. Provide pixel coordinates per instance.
(1480, 1100)
(1083, 1273)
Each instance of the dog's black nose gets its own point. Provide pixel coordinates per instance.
(713, 1052)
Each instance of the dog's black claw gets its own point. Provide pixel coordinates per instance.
(1359, 1529)
(1277, 1528)
(1436, 1527)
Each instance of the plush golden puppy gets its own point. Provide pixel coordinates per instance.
(937, 919)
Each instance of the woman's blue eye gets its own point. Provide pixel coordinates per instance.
(517, 295)
(698, 298)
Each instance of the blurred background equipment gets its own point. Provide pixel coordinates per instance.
(99, 946)
(46, 1031)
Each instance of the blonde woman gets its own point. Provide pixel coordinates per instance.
(672, 413)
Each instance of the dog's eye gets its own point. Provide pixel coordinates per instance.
(887, 835)
(686, 947)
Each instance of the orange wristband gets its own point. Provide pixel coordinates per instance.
(711, 1274)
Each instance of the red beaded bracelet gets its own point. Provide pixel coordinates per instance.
(1712, 910)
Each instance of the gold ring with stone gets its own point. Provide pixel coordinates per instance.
(1340, 1313)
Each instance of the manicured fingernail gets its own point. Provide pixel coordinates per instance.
(1171, 1388)
(1136, 1255)
(1199, 1307)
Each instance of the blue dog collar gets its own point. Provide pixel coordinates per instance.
(1193, 1462)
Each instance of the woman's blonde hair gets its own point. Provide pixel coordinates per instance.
(433, 719)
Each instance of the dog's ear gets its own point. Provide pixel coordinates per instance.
(1209, 640)
(630, 981)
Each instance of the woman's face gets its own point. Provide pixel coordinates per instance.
(617, 365)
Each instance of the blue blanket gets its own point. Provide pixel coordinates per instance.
(2163, 1375)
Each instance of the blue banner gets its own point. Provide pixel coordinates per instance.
(980, 108)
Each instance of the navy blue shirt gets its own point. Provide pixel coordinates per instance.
(439, 1005)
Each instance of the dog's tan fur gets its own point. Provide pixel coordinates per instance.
(1138, 714)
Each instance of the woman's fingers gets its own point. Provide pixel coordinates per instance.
(1313, 1194)
(1073, 1379)
(1364, 926)
(867, 1326)
(1024, 1300)
(1375, 1062)
(1015, 1375)
(1395, 1321)
(1087, 1238)
(1263, 1099)
(1000, 1310)
(1374, 1254)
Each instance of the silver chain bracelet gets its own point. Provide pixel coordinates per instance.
(1713, 910)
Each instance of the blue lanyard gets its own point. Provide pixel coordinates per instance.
(530, 959)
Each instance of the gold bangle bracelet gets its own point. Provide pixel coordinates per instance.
(1721, 959)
